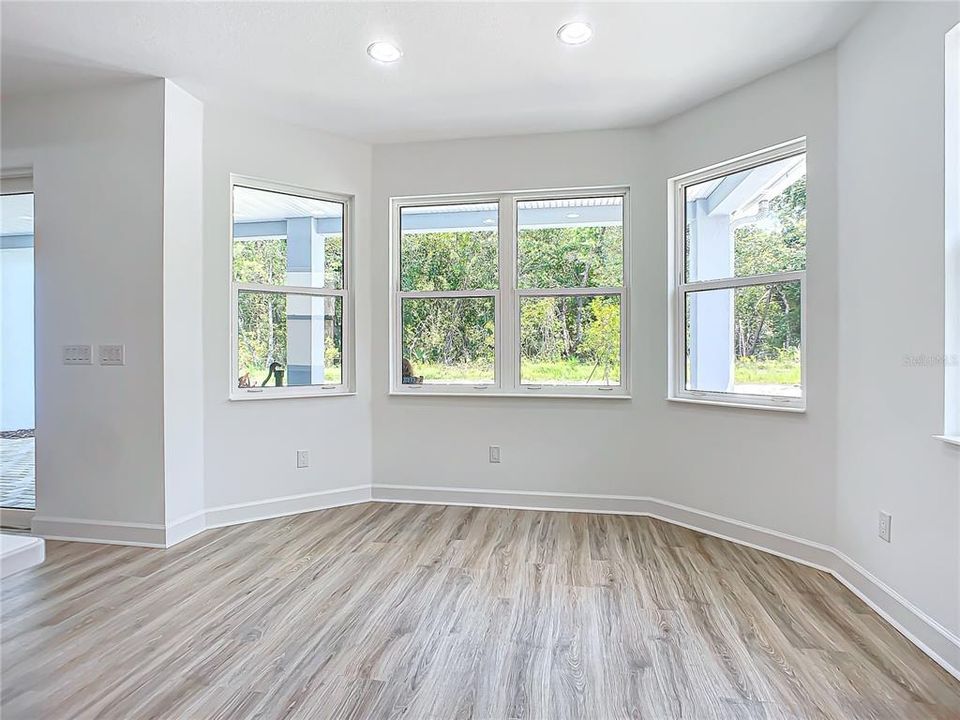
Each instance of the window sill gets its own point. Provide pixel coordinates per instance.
(243, 397)
(949, 439)
(531, 394)
(797, 409)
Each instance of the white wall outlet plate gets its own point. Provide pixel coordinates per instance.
(494, 453)
(77, 355)
(303, 458)
(111, 354)
(883, 528)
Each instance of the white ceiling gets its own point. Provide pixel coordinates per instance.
(469, 69)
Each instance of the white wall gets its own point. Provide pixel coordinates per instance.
(117, 261)
(133, 246)
(891, 263)
(98, 168)
(250, 446)
(16, 332)
(772, 469)
(183, 459)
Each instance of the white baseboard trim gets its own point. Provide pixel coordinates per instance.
(19, 552)
(935, 640)
(106, 532)
(289, 505)
(152, 535)
(938, 642)
(186, 527)
(16, 518)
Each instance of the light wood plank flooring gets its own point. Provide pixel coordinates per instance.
(422, 612)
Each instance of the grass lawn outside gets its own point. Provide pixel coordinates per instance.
(561, 372)
(781, 372)
(331, 376)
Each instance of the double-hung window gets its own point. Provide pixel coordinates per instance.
(290, 292)
(510, 294)
(737, 279)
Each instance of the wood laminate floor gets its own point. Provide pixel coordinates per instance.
(404, 611)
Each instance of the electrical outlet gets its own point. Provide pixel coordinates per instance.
(111, 354)
(303, 458)
(77, 355)
(883, 528)
(494, 453)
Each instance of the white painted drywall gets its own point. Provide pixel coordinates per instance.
(98, 168)
(772, 469)
(109, 219)
(182, 304)
(250, 446)
(16, 338)
(891, 324)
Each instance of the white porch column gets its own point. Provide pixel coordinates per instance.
(711, 313)
(305, 315)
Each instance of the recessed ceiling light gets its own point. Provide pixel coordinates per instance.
(575, 33)
(384, 52)
(573, 215)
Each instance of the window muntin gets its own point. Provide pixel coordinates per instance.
(738, 324)
(290, 302)
(520, 265)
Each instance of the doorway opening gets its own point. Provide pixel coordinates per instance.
(17, 379)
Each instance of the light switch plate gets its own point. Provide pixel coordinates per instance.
(77, 355)
(111, 354)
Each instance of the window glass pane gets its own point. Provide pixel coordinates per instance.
(289, 339)
(572, 340)
(570, 242)
(748, 223)
(283, 239)
(449, 247)
(744, 340)
(448, 340)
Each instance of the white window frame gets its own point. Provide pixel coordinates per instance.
(347, 384)
(507, 299)
(679, 288)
